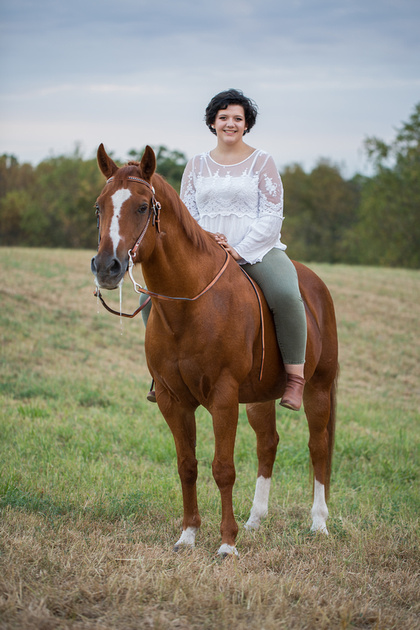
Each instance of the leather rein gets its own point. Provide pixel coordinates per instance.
(155, 208)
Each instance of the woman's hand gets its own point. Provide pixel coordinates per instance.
(222, 240)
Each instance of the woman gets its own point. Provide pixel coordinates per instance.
(235, 192)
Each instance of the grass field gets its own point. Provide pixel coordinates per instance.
(89, 494)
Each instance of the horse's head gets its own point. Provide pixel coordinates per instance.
(124, 209)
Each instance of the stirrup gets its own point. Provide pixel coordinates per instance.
(151, 396)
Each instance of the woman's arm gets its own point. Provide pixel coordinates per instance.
(266, 229)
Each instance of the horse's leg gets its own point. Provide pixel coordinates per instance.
(262, 418)
(181, 421)
(225, 413)
(320, 411)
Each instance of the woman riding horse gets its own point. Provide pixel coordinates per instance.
(235, 193)
(210, 338)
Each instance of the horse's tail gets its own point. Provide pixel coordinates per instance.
(331, 431)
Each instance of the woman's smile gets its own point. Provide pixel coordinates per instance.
(230, 122)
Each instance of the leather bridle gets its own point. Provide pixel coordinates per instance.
(155, 208)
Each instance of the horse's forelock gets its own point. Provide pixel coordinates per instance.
(128, 170)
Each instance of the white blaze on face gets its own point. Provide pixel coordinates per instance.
(118, 199)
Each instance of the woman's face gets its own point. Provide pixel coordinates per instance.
(230, 124)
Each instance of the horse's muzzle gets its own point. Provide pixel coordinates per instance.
(108, 270)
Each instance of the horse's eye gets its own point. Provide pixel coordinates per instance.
(143, 208)
(98, 214)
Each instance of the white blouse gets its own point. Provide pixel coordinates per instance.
(242, 201)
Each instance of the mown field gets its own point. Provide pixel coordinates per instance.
(89, 494)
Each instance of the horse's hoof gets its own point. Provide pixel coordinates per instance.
(227, 550)
(187, 540)
(319, 529)
(182, 548)
(252, 526)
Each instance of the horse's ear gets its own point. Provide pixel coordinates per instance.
(107, 166)
(148, 163)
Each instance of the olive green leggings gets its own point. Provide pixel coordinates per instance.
(277, 277)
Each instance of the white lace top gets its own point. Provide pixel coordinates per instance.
(242, 201)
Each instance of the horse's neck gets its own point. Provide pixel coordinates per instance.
(178, 266)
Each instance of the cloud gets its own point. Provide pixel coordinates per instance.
(324, 73)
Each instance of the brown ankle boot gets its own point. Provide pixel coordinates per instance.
(292, 397)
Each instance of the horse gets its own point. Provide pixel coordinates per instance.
(210, 341)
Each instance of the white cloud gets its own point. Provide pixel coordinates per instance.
(324, 73)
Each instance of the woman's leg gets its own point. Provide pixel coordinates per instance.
(277, 277)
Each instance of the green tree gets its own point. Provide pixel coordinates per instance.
(51, 205)
(16, 181)
(170, 164)
(388, 230)
(61, 212)
(320, 209)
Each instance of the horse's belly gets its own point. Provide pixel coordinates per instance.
(271, 384)
(210, 352)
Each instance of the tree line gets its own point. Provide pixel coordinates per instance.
(368, 220)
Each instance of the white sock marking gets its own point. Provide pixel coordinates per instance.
(187, 537)
(118, 199)
(260, 504)
(227, 550)
(319, 509)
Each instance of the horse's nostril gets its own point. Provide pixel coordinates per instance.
(115, 267)
(106, 268)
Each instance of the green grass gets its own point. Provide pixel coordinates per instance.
(86, 460)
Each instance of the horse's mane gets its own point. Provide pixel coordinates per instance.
(168, 196)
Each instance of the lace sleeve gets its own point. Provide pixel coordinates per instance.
(265, 232)
(270, 190)
(188, 189)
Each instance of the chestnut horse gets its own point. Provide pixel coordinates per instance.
(210, 340)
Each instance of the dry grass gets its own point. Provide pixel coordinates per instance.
(86, 575)
(378, 313)
(90, 503)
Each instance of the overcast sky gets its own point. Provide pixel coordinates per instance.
(324, 73)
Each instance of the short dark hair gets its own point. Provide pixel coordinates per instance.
(231, 97)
